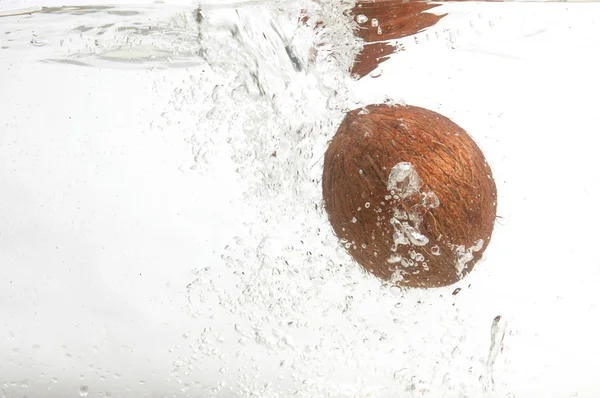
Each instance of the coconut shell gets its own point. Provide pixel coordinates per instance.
(409, 194)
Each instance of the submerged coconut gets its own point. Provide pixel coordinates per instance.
(409, 194)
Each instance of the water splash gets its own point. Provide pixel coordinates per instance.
(464, 255)
(498, 331)
(405, 185)
(404, 180)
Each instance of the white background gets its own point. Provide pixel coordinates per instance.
(102, 222)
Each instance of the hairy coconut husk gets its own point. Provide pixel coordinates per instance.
(410, 195)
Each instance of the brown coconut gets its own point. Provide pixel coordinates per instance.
(409, 194)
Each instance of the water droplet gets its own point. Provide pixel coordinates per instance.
(367, 205)
(379, 31)
(354, 220)
(435, 250)
(361, 18)
(404, 232)
(83, 391)
(430, 200)
(394, 258)
(374, 22)
(396, 290)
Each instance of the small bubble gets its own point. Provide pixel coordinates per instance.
(379, 31)
(83, 391)
(396, 290)
(374, 22)
(361, 18)
(400, 374)
(240, 93)
(367, 205)
(435, 250)
(354, 220)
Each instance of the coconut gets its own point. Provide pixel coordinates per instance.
(409, 194)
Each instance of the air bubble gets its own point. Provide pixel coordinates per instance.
(404, 180)
(394, 258)
(435, 250)
(430, 200)
(367, 205)
(374, 22)
(361, 18)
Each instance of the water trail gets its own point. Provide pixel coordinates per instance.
(498, 330)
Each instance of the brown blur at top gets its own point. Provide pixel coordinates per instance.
(394, 19)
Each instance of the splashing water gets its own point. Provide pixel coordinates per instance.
(498, 331)
(464, 255)
(277, 307)
(404, 184)
(404, 180)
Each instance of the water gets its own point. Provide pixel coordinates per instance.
(162, 219)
